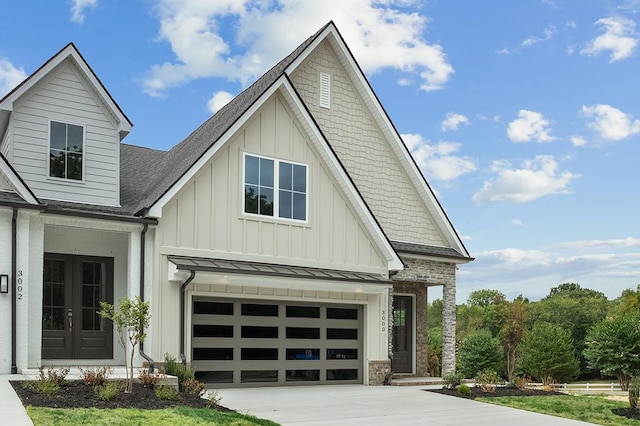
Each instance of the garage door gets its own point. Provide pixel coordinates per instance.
(241, 342)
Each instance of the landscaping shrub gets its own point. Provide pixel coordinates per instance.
(174, 368)
(487, 380)
(193, 386)
(108, 390)
(479, 351)
(213, 399)
(149, 380)
(95, 376)
(452, 380)
(166, 393)
(464, 390)
(49, 383)
(520, 382)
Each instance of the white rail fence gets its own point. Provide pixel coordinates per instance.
(582, 387)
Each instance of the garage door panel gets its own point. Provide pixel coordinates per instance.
(263, 342)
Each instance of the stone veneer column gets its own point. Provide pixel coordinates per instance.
(448, 328)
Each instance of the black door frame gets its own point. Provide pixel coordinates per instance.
(74, 342)
(403, 361)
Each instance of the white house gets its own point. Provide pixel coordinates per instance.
(291, 238)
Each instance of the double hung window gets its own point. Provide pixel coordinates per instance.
(66, 150)
(275, 188)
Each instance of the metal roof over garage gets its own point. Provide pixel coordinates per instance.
(256, 268)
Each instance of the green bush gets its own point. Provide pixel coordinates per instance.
(634, 392)
(49, 383)
(166, 393)
(213, 399)
(452, 380)
(464, 390)
(479, 351)
(487, 380)
(174, 368)
(108, 391)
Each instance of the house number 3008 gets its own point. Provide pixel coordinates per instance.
(19, 285)
(383, 320)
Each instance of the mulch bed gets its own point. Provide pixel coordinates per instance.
(76, 394)
(630, 413)
(476, 392)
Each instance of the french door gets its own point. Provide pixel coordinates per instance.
(73, 287)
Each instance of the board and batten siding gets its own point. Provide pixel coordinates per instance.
(363, 149)
(207, 215)
(66, 97)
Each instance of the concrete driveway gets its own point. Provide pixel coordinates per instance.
(374, 405)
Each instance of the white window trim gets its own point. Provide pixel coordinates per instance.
(84, 153)
(276, 191)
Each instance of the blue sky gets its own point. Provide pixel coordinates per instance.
(523, 115)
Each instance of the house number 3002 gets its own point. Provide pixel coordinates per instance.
(383, 320)
(19, 285)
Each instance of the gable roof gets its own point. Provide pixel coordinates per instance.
(22, 192)
(68, 52)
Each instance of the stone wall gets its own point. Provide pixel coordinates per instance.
(414, 279)
(378, 371)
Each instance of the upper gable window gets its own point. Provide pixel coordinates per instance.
(66, 147)
(275, 188)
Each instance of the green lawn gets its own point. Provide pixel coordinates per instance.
(182, 416)
(592, 409)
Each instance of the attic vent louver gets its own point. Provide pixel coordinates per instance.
(325, 90)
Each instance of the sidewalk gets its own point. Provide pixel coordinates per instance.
(11, 410)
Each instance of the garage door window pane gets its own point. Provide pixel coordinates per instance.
(303, 333)
(342, 333)
(342, 354)
(258, 376)
(212, 331)
(213, 308)
(303, 312)
(303, 375)
(264, 354)
(250, 309)
(215, 376)
(216, 354)
(342, 374)
(257, 332)
(341, 313)
(303, 354)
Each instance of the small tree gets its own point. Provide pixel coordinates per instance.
(613, 347)
(546, 353)
(130, 321)
(477, 352)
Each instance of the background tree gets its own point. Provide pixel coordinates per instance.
(130, 320)
(512, 330)
(434, 349)
(573, 308)
(434, 313)
(477, 352)
(485, 297)
(613, 347)
(546, 353)
(629, 301)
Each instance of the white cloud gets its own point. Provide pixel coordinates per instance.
(516, 222)
(529, 125)
(612, 243)
(619, 38)
(453, 121)
(534, 179)
(578, 141)
(381, 34)
(437, 161)
(218, 100)
(78, 8)
(549, 32)
(10, 76)
(611, 123)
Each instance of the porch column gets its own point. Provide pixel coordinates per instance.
(448, 328)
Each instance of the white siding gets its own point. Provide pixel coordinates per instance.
(206, 215)
(5, 186)
(5, 300)
(4, 146)
(362, 148)
(66, 97)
